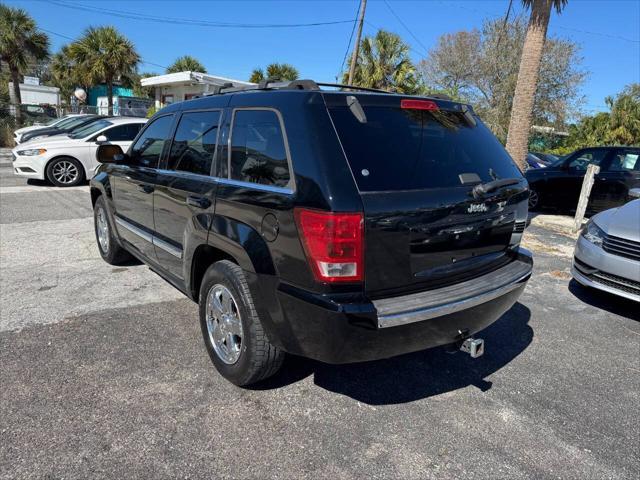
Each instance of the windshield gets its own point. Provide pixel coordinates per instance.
(69, 122)
(52, 122)
(72, 123)
(90, 129)
(400, 149)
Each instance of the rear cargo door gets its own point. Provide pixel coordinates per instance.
(416, 168)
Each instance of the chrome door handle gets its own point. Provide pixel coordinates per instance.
(199, 202)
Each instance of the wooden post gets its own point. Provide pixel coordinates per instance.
(354, 58)
(587, 183)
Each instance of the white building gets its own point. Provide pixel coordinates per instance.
(176, 87)
(36, 94)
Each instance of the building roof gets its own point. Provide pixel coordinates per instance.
(35, 88)
(190, 77)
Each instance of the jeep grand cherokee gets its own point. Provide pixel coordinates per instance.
(339, 224)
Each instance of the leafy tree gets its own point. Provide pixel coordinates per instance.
(383, 62)
(66, 74)
(20, 44)
(186, 63)
(624, 121)
(481, 67)
(526, 86)
(619, 126)
(138, 89)
(104, 55)
(281, 71)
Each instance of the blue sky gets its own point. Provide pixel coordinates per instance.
(607, 31)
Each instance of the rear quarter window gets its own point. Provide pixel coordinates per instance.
(399, 149)
(258, 153)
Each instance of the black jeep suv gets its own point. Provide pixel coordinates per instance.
(338, 224)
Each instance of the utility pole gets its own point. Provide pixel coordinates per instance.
(354, 58)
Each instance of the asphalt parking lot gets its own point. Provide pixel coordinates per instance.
(103, 373)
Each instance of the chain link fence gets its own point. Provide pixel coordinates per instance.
(32, 114)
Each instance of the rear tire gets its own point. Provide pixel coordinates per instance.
(108, 246)
(231, 328)
(65, 172)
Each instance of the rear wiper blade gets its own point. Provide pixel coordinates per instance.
(483, 188)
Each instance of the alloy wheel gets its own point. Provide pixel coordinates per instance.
(65, 172)
(534, 199)
(223, 324)
(102, 229)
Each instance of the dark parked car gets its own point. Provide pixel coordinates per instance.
(558, 186)
(546, 158)
(534, 161)
(339, 225)
(76, 123)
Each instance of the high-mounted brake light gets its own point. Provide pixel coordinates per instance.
(418, 104)
(334, 244)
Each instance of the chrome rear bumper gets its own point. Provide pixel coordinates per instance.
(421, 306)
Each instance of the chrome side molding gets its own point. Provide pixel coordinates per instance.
(167, 247)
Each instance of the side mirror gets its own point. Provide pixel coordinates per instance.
(101, 139)
(110, 154)
(634, 193)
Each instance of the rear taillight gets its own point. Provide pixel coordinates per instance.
(410, 104)
(334, 244)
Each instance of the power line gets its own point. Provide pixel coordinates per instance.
(187, 21)
(421, 54)
(405, 27)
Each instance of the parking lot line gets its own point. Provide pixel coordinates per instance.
(40, 189)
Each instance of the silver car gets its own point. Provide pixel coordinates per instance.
(607, 254)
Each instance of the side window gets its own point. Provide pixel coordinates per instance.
(148, 148)
(587, 157)
(625, 161)
(122, 133)
(195, 142)
(258, 154)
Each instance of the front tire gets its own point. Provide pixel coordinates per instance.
(65, 172)
(231, 328)
(108, 246)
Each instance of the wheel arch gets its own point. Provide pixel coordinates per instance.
(203, 257)
(230, 240)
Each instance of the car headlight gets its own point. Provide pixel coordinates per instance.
(32, 152)
(593, 233)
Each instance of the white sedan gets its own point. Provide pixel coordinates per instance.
(67, 160)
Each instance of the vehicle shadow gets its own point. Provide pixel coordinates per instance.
(605, 301)
(417, 375)
(45, 183)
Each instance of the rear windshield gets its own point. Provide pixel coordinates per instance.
(398, 149)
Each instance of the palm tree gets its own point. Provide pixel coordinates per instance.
(104, 55)
(65, 73)
(522, 109)
(186, 63)
(384, 63)
(20, 44)
(281, 71)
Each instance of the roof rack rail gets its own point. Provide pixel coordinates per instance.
(353, 87)
(303, 84)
